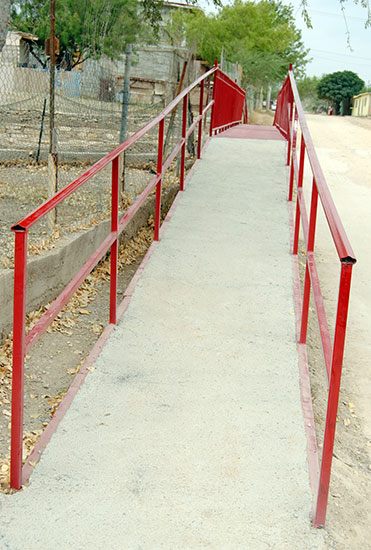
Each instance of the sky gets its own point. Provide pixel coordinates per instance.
(327, 41)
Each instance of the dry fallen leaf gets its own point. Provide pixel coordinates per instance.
(72, 371)
(97, 329)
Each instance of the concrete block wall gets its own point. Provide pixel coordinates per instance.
(159, 64)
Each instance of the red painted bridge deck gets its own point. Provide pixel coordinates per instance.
(251, 131)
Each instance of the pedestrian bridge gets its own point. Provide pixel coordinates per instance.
(195, 428)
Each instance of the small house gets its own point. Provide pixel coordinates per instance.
(362, 104)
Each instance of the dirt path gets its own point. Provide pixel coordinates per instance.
(343, 145)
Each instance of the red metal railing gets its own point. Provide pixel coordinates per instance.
(230, 100)
(289, 119)
(222, 109)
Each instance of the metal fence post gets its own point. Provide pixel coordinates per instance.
(114, 246)
(126, 92)
(19, 321)
(159, 184)
(201, 107)
(333, 395)
(184, 133)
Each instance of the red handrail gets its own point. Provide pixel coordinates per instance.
(289, 116)
(22, 343)
(339, 236)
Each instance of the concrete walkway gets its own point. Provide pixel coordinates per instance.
(189, 433)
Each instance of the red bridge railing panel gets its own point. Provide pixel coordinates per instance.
(22, 342)
(289, 119)
(229, 101)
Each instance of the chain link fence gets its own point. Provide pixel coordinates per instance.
(88, 111)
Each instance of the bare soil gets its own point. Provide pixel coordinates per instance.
(23, 187)
(263, 118)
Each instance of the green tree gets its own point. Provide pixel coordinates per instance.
(307, 87)
(339, 87)
(88, 28)
(308, 91)
(261, 36)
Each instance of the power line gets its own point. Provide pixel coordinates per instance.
(348, 62)
(332, 14)
(341, 54)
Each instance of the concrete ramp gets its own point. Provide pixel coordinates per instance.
(252, 131)
(189, 433)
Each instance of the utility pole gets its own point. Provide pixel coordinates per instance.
(126, 93)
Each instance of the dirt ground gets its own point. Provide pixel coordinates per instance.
(343, 145)
(24, 183)
(263, 118)
(23, 188)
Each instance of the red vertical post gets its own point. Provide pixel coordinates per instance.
(295, 132)
(301, 162)
(290, 107)
(201, 108)
(184, 134)
(293, 154)
(311, 236)
(115, 244)
(292, 174)
(160, 151)
(333, 395)
(19, 316)
(300, 187)
(214, 92)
